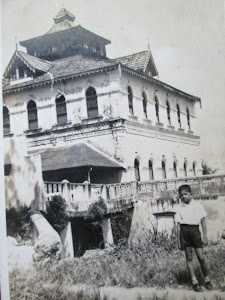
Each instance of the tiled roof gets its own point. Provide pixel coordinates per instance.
(34, 62)
(63, 20)
(79, 65)
(138, 61)
(76, 156)
(66, 67)
(63, 13)
(63, 25)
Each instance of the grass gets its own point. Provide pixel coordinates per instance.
(156, 263)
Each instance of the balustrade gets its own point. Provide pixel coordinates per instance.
(122, 194)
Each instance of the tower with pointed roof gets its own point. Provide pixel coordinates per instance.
(66, 39)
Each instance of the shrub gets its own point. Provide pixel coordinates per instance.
(121, 223)
(97, 210)
(56, 213)
(19, 224)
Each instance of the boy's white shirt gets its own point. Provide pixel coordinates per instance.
(190, 213)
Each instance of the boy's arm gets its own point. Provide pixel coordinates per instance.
(178, 234)
(204, 231)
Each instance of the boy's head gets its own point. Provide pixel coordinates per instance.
(185, 193)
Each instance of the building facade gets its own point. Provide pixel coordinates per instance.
(92, 118)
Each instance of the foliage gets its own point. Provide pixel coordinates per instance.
(121, 226)
(19, 224)
(155, 263)
(97, 210)
(24, 285)
(56, 213)
(206, 170)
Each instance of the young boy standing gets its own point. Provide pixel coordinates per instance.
(189, 216)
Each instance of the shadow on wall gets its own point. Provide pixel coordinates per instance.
(24, 186)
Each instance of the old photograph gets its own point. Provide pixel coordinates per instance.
(113, 150)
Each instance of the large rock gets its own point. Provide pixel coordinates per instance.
(48, 243)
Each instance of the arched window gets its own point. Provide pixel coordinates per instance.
(185, 168)
(188, 119)
(130, 100)
(178, 115)
(163, 169)
(157, 108)
(137, 171)
(6, 121)
(168, 112)
(32, 115)
(194, 168)
(61, 113)
(92, 103)
(144, 101)
(175, 168)
(150, 166)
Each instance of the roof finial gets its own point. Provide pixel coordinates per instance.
(148, 43)
(16, 43)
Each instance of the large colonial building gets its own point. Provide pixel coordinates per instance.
(92, 118)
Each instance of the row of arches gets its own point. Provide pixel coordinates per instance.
(92, 109)
(163, 168)
(61, 110)
(157, 111)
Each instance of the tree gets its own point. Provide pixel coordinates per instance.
(206, 170)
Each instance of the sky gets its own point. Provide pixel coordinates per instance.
(186, 39)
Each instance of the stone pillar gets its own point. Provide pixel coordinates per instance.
(107, 233)
(67, 241)
(66, 190)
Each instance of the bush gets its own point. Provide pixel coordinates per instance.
(97, 210)
(121, 223)
(56, 213)
(19, 224)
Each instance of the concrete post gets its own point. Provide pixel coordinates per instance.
(66, 190)
(67, 241)
(107, 233)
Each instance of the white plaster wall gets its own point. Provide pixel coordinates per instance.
(24, 186)
(156, 148)
(151, 89)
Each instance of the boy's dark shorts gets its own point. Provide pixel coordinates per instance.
(190, 236)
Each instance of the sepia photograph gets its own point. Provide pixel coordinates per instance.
(112, 171)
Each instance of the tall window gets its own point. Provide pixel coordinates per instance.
(151, 174)
(168, 112)
(144, 101)
(130, 100)
(175, 168)
(157, 108)
(61, 113)
(188, 119)
(6, 121)
(163, 169)
(194, 168)
(92, 103)
(137, 171)
(185, 168)
(178, 115)
(32, 115)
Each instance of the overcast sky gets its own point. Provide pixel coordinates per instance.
(186, 39)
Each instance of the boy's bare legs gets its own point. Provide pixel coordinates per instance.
(203, 262)
(190, 265)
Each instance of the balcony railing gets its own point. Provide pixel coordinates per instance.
(120, 196)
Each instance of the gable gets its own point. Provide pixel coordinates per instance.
(23, 65)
